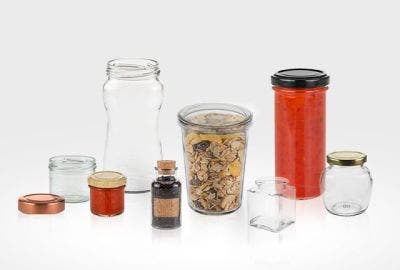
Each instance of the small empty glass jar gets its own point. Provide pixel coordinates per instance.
(271, 204)
(68, 177)
(347, 182)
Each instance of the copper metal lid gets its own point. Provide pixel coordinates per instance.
(346, 158)
(107, 179)
(41, 203)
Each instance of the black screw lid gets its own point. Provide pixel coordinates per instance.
(300, 78)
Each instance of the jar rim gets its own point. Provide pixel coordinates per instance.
(273, 185)
(131, 68)
(71, 162)
(183, 115)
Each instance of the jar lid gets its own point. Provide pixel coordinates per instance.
(215, 116)
(300, 78)
(107, 179)
(41, 203)
(346, 158)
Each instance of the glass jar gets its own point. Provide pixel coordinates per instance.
(133, 96)
(107, 193)
(214, 143)
(271, 204)
(300, 128)
(68, 175)
(348, 183)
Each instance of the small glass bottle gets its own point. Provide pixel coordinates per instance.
(348, 183)
(166, 197)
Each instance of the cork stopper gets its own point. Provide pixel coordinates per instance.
(166, 167)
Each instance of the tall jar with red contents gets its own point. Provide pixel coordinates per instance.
(300, 120)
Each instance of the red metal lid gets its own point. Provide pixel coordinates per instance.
(41, 203)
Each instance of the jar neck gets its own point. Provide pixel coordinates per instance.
(166, 173)
(133, 69)
(71, 163)
(346, 167)
(286, 90)
(166, 178)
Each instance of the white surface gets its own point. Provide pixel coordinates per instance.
(53, 59)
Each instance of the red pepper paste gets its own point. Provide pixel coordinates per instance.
(107, 193)
(300, 119)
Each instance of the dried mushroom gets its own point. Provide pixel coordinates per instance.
(215, 164)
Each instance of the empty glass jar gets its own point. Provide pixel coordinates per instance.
(271, 204)
(68, 177)
(348, 183)
(133, 96)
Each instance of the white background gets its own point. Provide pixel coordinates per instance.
(53, 56)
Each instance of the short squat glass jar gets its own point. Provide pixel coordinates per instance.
(214, 142)
(68, 177)
(107, 193)
(348, 183)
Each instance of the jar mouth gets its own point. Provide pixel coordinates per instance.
(132, 68)
(274, 186)
(71, 163)
(237, 116)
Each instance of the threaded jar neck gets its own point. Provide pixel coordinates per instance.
(132, 69)
(72, 163)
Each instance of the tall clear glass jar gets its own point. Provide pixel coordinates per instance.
(214, 142)
(348, 183)
(133, 95)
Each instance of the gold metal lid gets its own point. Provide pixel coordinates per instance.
(346, 158)
(107, 179)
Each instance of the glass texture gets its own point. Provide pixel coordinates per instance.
(271, 204)
(133, 96)
(347, 189)
(214, 144)
(68, 177)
